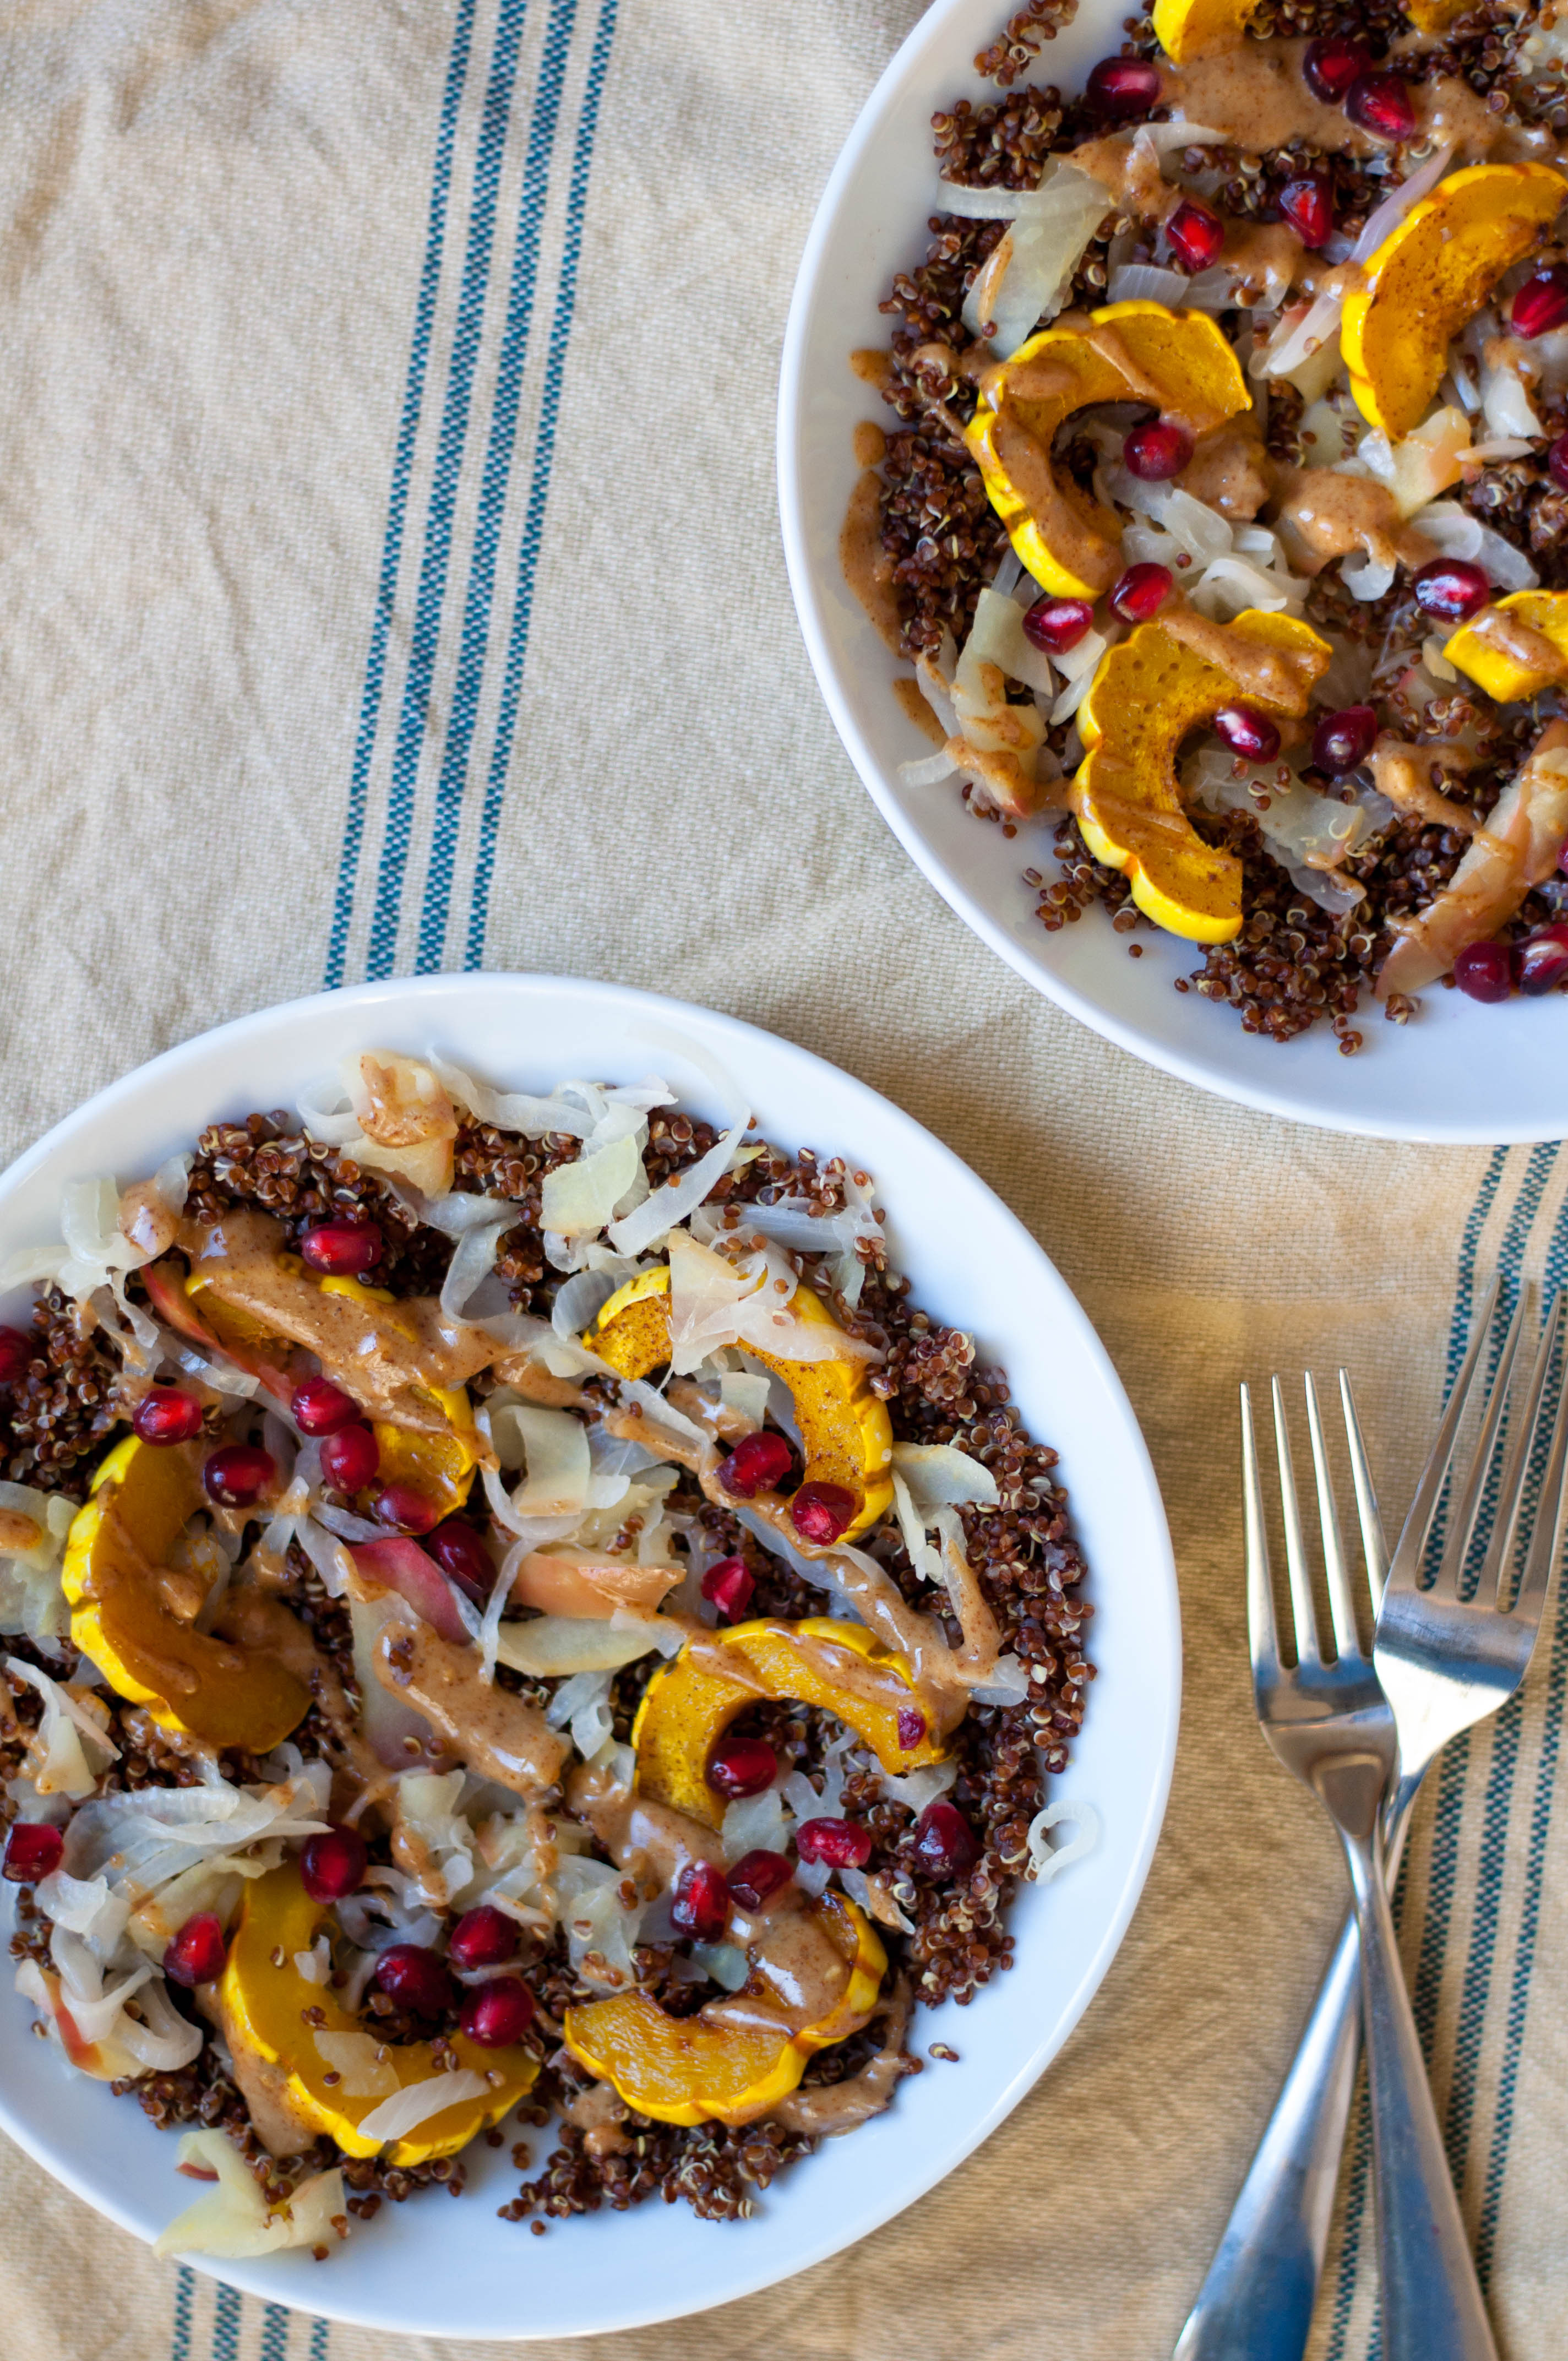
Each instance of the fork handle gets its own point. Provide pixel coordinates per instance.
(1433, 2308)
(1258, 2299)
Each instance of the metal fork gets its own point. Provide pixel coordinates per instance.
(1449, 1661)
(1257, 2303)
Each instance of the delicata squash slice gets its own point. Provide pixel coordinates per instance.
(1516, 647)
(1179, 361)
(1189, 29)
(1431, 275)
(1149, 694)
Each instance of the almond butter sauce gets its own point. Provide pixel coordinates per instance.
(598, 2114)
(1280, 676)
(18, 1532)
(1083, 537)
(1406, 774)
(1521, 642)
(834, 2108)
(1336, 514)
(868, 569)
(496, 1733)
(917, 710)
(1229, 470)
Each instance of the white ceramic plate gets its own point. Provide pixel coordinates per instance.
(1457, 1071)
(439, 2270)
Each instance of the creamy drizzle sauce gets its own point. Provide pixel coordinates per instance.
(598, 2112)
(146, 1220)
(868, 569)
(838, 2107)
(871, 443)
(1521, 640)
(1257, 251)
(1257, 96)
(1129, 171)
(496, 1733)
(1405, 774)
(873, 365)
(18, 1532)
(1229, 470)
(1278, 676)
(1336, 514)
(917, 710)
(1084, 537)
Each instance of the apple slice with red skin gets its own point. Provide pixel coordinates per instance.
(165, 1284)
(399, 1564)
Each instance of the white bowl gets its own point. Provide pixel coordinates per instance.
(1457, 1071)
(438, 2269)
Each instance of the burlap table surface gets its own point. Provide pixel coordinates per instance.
(391, 578)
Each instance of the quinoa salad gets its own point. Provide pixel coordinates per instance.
(1223, 507)
(518, 1631)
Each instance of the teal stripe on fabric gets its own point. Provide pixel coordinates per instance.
(431, 599)
(226, 2324)
(397, 504)
(539, 489)
(318, 2332)
(185, 2294)
(451, 786)
(1355, 2211)
(275, 2319)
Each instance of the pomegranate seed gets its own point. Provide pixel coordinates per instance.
(1451, 588)
(416, 1978)
(238, 1474)
(1120, 87)
(1196, 235)
(756, 1464)
(197, 1953)
(842, 1844)
(1343, 740)
(701, 1903)
(1331, 66)
(1542, 960)
(485, 1938)
(1308, 205)
(744, 1767)
(460, 1553)
(1380, 103)
(728, 1587)
(821, 1513)
(1156, 452)
(497, 2013)
(322, 1408)
(334, 1864)
(1248, 731)
(756, 1876)
(1486, 971)
(342, 1249)
(1556, 459)
(1540, 305)
(350, 1458)
(944, 1841)
(1054, 625)
(911, 1727)
(164, 1414)
(409, 1511)
(1142, 591)
(32, 1851)
(16, 1350)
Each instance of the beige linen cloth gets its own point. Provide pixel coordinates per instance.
(391, 578)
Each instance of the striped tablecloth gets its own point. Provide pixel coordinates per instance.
(392, 581)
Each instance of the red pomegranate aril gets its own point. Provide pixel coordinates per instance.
(16, 1350)
(1308, 205)
(1379, 102)
(165, 1415)
(197, 1953)
(1541, 962)
(1120, 87)
(350, 1458)
(744, 1767)
(461, 1554)
(822, 1514)
(1248, 731)
(1141, 592)
(484, 1938)
(1486, 971)
(32, 1851)
(1196, 235)
(1054, 625)
(944, 1841)
(1331, 66)
(342, 1249)
(1540, 305)
(700, 1904)
(911, 1727)
(238, 1474)
(756, 1464)
(756, 1876)
(1451, 588)
(322, 1408)
(1156, 452)
(842, 1844)
(408, 1511)
(334, 1864)
(497, 2013)
(1343, 740)
(416, 1978)
(728, 1587)
(1556, 460)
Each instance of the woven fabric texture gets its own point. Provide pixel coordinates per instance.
(392, 581)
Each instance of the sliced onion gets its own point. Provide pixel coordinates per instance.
(1046, 1860)
(577, 1199)
(940, 1474)
(550, 1647)
(927, 772)
(1455, 532)
(1146, 282)
(510, 1110)
(1386, 218)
